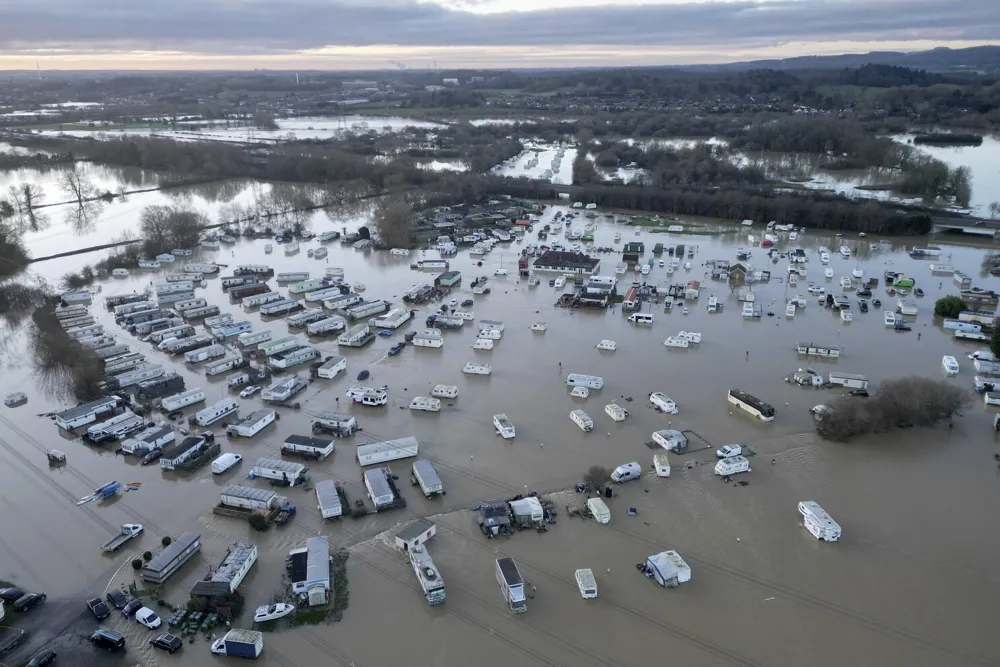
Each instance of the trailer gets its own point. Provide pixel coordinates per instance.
(115, 428)
(132, 377)
(310, 285)
(426, 477)
(172, 286)
(818, 522)
(583, 420)
(253, 375)
(110, 351)
(252, 424)
(849, 380)
(200, 313)
(159, 324)
(261, 299)
(321, 294)
(126, 362)
(205, 354)
(281, 473)
(389, 450)
(216, 411)
(165, 385)
(200, 268)
(366, 309)
(293, 357)
(251, 498)
(340, 424)
(188, 304)
(239, 644)
(382, 490)
(307, 447)
(253, 270)
(511, 585)
(394, 319)
(342, 301)
(176, 332)
(182, 400)
(279, 345)
(127, 532)
(327, 326)
(167, 298)
(331, 367)
(223, 365)
(328, 499)
(229, 282)
(667, 568)
(112, 302)
(357, 336)
(148, 439)
(307, 316)
(85, 331)
(283, 391)
(281, 307)
(188, 344)
(224, 331)
(252, 338)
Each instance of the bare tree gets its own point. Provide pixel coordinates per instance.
(24, 198)
(394, 225)
(83, 196)
(994, 209)
(166, 227)
(596, 476)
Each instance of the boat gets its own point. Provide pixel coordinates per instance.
(828, 273)
(608, 345)
(918, 292)
(845, 316)
(824, 257)
(901, 292)
(320, 253)
(291, 248)
(119, 273)
(790, 309)
(677, 341)
(268, 248)
(539, 326)
(364, 375)
(950, 365)
(272, 612)
(845, 252)
(846, 283)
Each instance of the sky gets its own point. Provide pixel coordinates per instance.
(384, 34)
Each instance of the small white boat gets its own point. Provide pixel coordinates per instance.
(539, 327)
(165, 257)
(580, 392)
(857, 272)
(845, 316)
(677, 341)
(608, 345)
(320, 253)
(358, 287)
(889, 317)
(400, 252)
(119, 273)
(268, 248)
(148, 264)
(828, 273)
(291, 248)
(272, 612)
(950, 365)
(790, 309)
(846, 283)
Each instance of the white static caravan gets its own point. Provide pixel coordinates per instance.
(328, 499)
(306, 317)
(378, 482)
(394, 319)
(849, 380)
(216, 411)
(205, 354)
(818, 522)
(331, 367)
(583, 420)
(117, 427)
(293, 474)
(261, 300)
(252, 424)
(390, 450)
(222, 365)
(588, 381)
(251, 338)
(282, 307)
(279, 345)
(307, 447)
(188, 304)
(661, 464)
(149, 439)
(308, 285)
(201, 268)
(326, 326)
(616, 412)
(293, 357)
(292, 277)
(668, 569)
(182, 400)
(322, 294)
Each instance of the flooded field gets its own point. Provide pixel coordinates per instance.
(912, 582)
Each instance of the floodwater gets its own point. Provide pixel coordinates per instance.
(912, 582)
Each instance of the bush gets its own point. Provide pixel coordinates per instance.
(596, 477)
(166, 541)
(258, 521)
(949, 306)
(137, 564)
(901, 403)
(147, 556)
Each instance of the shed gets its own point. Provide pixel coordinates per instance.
(527, 511)
(738, 272)
(668, 568)
(415, 534)
(494, 519)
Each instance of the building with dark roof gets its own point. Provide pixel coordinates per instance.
(567, 262)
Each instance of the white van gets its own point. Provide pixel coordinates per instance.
(587, 584)
(225, 462)
(641, 318)
(626, 472)
(732, 466)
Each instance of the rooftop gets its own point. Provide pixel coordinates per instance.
(567, 260)
(415, 529)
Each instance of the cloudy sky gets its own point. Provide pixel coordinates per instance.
(359, 34)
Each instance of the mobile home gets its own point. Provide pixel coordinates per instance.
(381, 489)
(328, 499)
(216, 411)
(331, 367)
(307, 447)
(182, 400)
(390, 450)
(818, 522)
(261, 299)
(252, 424)
(394, 319)
(280, 345)
(285, 472)
(293, 357)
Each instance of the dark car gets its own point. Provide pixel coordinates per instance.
(151, 456)
(467, 303)
(410, 335)
(166, 642)
(43, 658)
(117, 598)
(396, 349)
(11, 594)
(131, 607)
(29, 601)
(108, 639)
(863, 393)
(98, 608)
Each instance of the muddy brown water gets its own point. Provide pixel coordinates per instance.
(912, 582)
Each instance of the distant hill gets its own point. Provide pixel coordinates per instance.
(974, 58)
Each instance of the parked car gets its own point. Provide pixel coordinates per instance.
(151, 456)
(148, 617)
(396, 349)
(467, 303)
(11, 594)
(43, 658)
(98, 608)
(250, 391)
(117, 599)
(107, 639)
(131, 607)
(166, 642)
(862, 393)
(29, 601)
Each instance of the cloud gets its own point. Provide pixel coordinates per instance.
(263, 27)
